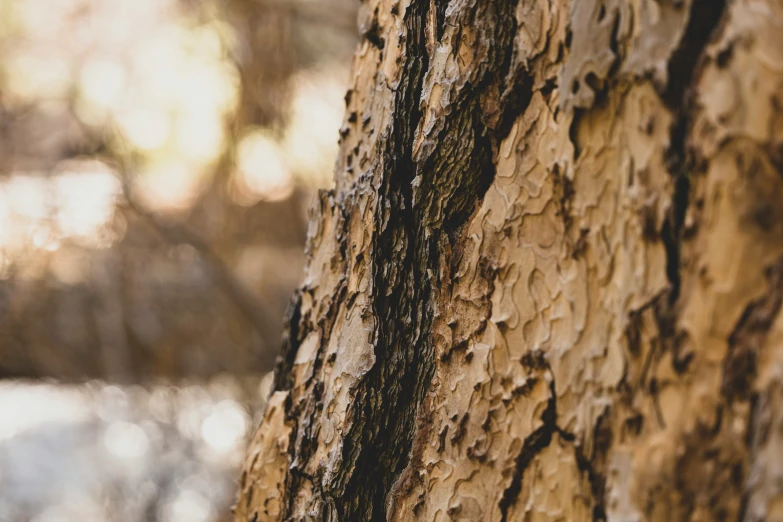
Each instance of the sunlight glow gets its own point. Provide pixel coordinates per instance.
(200, 137)
(317, 111)
(76, 202)
(86, 194)
(27, 407)
(147, 128)
(126, 440)
(102, 81)
(168, 185)
(26, 195)
(189, 506)
(263, 171)
(224, 428)
(36, 77)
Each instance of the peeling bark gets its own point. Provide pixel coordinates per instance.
(547, 284)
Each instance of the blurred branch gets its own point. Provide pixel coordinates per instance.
(254, 309)
(324, 14)
(251, 307)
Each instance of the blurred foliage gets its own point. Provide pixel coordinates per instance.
(156, 161)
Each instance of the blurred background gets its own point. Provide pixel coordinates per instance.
(157, 159)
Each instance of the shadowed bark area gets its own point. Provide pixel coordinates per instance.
(547, 283)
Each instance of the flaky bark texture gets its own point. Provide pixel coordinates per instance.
(547, 284)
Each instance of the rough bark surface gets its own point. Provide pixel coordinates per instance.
(547, 284)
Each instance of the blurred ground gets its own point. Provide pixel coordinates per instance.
(99, 452)
(157, 158)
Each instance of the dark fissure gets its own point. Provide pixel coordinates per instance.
(408, 221)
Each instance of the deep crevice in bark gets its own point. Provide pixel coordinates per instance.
(376, 443)
(704, 18)
(746, 340)
(379, 441)
(283, 380)
(533, 445)
(541, 438)
(683, 68)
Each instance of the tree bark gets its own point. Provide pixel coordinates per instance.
(547, 284)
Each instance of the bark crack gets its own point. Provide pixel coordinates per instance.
(410, 218)
(683, 68)
(534, 444)
(747, 339)
(379, 437)
(590, 464)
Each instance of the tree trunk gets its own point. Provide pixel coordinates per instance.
(547, 283)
